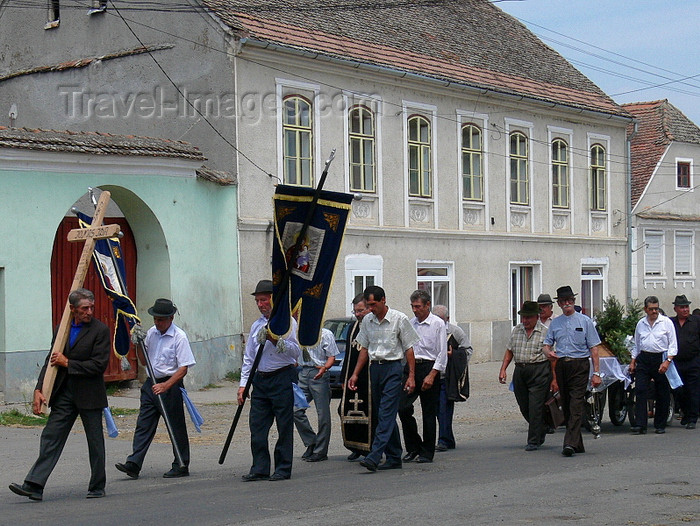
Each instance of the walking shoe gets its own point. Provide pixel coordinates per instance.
(354, 456)
(367, 463)
(441, 447)
(309, 451)
(95, 494)
(176, 473)
(317, 457)
(639, 430)
(28, 489)
(278, 476)
(568, 451)
(411, 455)
(130, 468)
(252, 477)
(660, 430)
(389, 465)
(424, 460)
(690, 425)
(531, 447)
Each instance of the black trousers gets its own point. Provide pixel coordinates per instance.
(689, 394)
(272, 400)
(531, 385)
(647, 369)
(53, 438)
(572, 379)
(147, 423)
(429, 404)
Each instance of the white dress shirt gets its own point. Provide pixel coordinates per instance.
(168, 352)
(659, 338)
(274, 357)
(318, 355)
(433, 341)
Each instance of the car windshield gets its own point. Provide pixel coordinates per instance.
(339, 328)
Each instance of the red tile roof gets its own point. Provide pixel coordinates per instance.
(96, 143)
(468, 42)
(659, 124)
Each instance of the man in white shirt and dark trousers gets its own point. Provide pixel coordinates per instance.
(272, 397)
(386, 337)
(654, 336)
(315, 381)
(430, 354)
(171, 356)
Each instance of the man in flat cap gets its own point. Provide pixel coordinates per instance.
(272, 395)
(171, 356)
(687, 360)
(576, 341)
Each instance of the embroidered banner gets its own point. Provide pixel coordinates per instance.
(314, 264)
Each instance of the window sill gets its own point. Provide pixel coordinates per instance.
(52, 25)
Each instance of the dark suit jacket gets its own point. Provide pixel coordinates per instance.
(88, 358)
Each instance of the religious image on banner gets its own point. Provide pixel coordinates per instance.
(311, 259)
(110, 267)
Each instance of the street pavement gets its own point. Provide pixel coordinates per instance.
(488, 479)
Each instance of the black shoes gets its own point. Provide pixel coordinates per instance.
(253, 477)
(317, 457)
(660, 430)
(440, 447)
(95, 494)
(277, 476)
(129, 468)
(410, 456)
(309, 452)
(389, 465)
(568, 451)
(366, 463)
(175, 473)
(690, 425)
(354, 456)
(639, 430)
(424, 460)
(531, 447)
(28, 489)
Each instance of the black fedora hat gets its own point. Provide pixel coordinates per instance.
(565, 292)
(530, 308)
(163, 308)
(264, 286)
(681, 301)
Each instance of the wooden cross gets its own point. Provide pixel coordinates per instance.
(90, 235)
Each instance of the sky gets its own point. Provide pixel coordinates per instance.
(634, 50)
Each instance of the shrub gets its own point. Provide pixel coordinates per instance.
(615, 322)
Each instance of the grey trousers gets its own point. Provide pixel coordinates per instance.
(320, 392)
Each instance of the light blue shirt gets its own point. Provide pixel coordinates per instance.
(388, 339)
(274, 357)
(574, 335)
(317, 356)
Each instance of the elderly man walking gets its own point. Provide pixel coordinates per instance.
(533, 373)
(655, 347)
(688, 360)
(576, 341)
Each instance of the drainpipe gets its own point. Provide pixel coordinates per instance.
(630, 253)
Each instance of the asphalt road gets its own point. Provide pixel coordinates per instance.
(488, 479)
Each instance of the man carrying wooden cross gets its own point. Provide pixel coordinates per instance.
(79, 389)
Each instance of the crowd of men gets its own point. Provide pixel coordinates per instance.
(391, 362)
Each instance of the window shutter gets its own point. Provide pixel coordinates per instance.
(653, 253)
(684, 261)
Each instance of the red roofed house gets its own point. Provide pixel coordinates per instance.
(665, 220)
(487, 168)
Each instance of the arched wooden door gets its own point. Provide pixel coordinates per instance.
(64, 261)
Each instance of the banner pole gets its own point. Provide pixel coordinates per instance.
(275, 301)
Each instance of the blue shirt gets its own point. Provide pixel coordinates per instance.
(574, 335)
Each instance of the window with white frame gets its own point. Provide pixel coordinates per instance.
(419, 157)
(683, 254)
(591, 290)
(362, 139)
(653, 253)
(361, 271)
(436, 278)
(598, 183)
(519, 185)
(560, 174)
(683, 175)
(297, 141)
(472, 169)
(523, 279)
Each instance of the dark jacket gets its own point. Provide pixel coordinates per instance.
(88, 358)
(457, 373)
